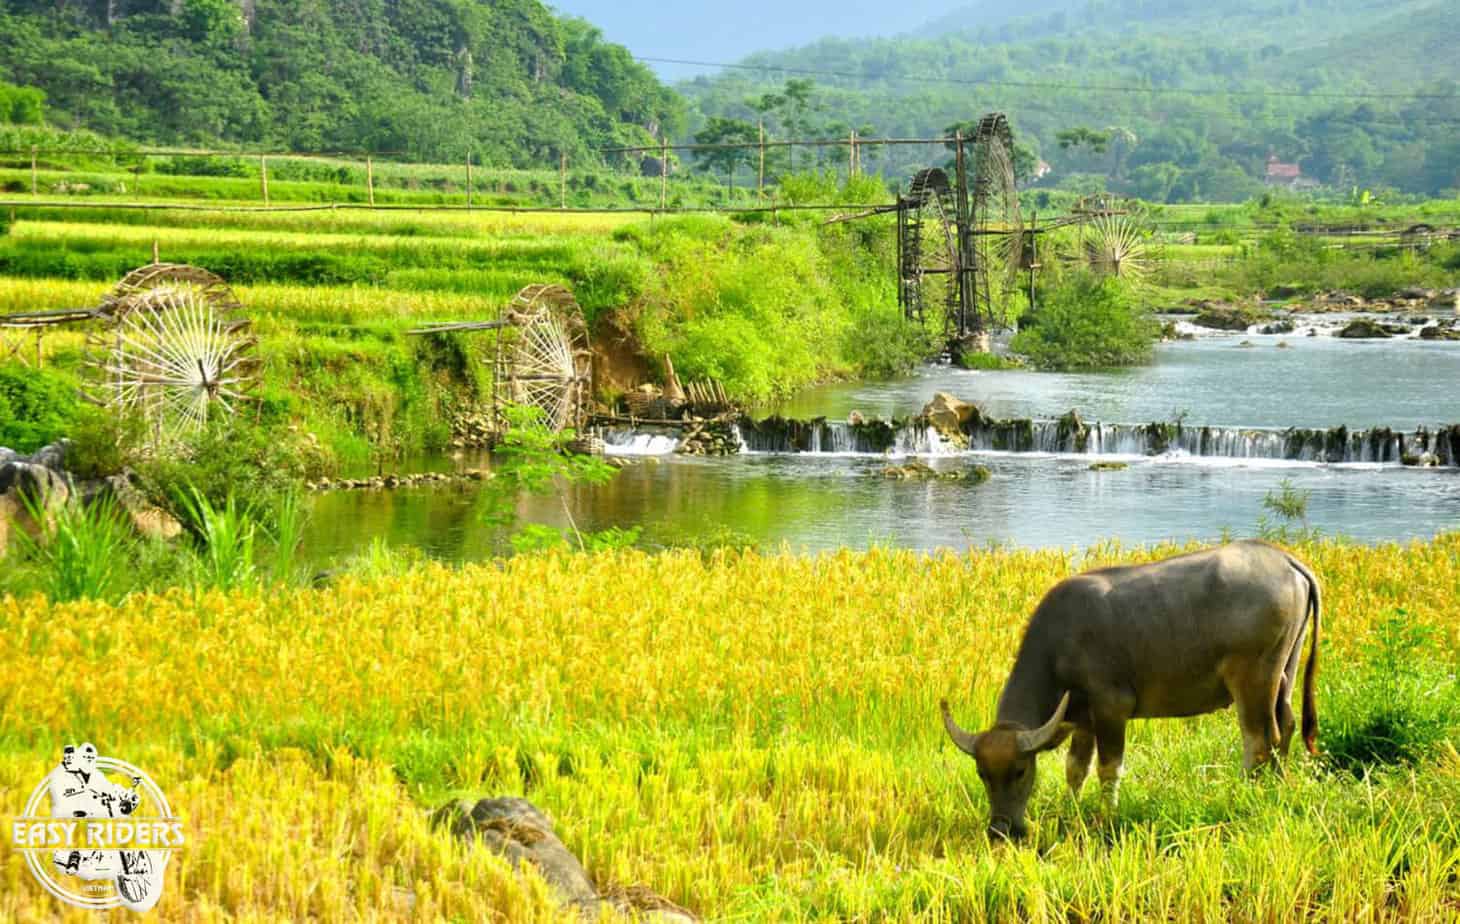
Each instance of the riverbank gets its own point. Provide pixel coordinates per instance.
(750, 736)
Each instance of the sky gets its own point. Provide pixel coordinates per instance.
(729, 31)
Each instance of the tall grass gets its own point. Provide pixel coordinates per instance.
(79, 552)
(224, 535)
(754, 736)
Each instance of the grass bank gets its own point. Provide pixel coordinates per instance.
(753, 736)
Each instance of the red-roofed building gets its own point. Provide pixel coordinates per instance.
(1281, 174)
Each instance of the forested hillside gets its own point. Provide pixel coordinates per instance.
(1359, 93)
(434, 79)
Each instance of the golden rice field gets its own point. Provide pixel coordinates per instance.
(753, 736)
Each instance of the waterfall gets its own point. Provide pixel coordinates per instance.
(621, 441)
(1069, 435)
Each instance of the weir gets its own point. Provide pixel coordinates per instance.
(1069, 435)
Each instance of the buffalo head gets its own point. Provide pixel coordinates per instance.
(1006, 757)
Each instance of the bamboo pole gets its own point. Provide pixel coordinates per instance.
(38, 332)
(563, 180)
(156, 251)
(264, 177)
(370, 180)
(664, 175)
(468, 179)
(852, 154)
(760, 185)
(34, 183)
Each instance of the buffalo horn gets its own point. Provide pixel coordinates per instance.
(963, 739)
(1031, 741)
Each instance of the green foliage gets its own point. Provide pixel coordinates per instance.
(532, 458)
(21, 105)
(987, 362)
(103, 442)
(80, 551)
(1211, 145)
(229, 459)
(1286, 520)
(36, 406)
(437, 79)
(224, 537)
(1398, 708)
(1086, 322)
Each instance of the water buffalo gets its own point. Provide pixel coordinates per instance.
(1179, 637)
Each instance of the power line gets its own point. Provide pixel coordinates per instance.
(1035, 85)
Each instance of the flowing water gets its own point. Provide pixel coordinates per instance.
(1236, 404)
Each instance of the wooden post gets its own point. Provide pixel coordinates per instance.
(663, 174)
(468, 180)
(760, 185)
(156, 252)
(264, 177)
(563, 180)
(38, 332)
(34, 183)
(851, 155)
(370, 180)
(965, 268)
(1033, 254)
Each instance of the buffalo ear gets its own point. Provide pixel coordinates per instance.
(966, 741)
(1036, 740)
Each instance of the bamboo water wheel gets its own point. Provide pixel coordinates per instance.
(173, 347)
(996, 225)
(1114, 239)
(543, 359)
(927, 235)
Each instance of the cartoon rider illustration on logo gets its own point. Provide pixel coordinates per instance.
(79, 790)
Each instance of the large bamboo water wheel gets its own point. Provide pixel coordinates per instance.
(1113, 238)
(927, 236)
(997, 226)
(172, 345)
(543, 359)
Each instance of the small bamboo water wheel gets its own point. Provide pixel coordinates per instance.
(172, 346)
(543, 359)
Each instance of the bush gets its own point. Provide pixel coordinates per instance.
(1398, 708)
(1087, 322)
(37, 406)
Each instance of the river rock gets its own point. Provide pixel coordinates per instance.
(1223, 316)
(53, 456)
(517, 830)
(147, 518)
(1278, 327)
(1415, 293)
(1448, 300)
(949, 415)
(1369, 329)
(1437, 332)
(25, 481)
(1108, 466)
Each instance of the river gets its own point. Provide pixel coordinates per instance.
(819, 501)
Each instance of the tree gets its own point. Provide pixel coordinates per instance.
(720, 130)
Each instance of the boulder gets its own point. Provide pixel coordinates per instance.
(1448, 300)
(1108, 466)
(1222, 316)
(517, 830)
(948, 415)
(1415, 293)
(1369, 329)
(1278, 327)
(21, 482)
(148, 519)
(1436, 332)
(53, 456)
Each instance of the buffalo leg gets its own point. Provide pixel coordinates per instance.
(1254, 689)
(1286, 685)
(1077, 761)
(1110, 741)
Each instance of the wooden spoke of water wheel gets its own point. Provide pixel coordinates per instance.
(543, 359)
(144, 279)
(175, 354)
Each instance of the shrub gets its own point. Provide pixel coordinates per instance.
(1087, 321)
(1398, 708)
(36, 406)
(81, 551)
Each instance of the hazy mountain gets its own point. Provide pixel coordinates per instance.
(728, 32)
